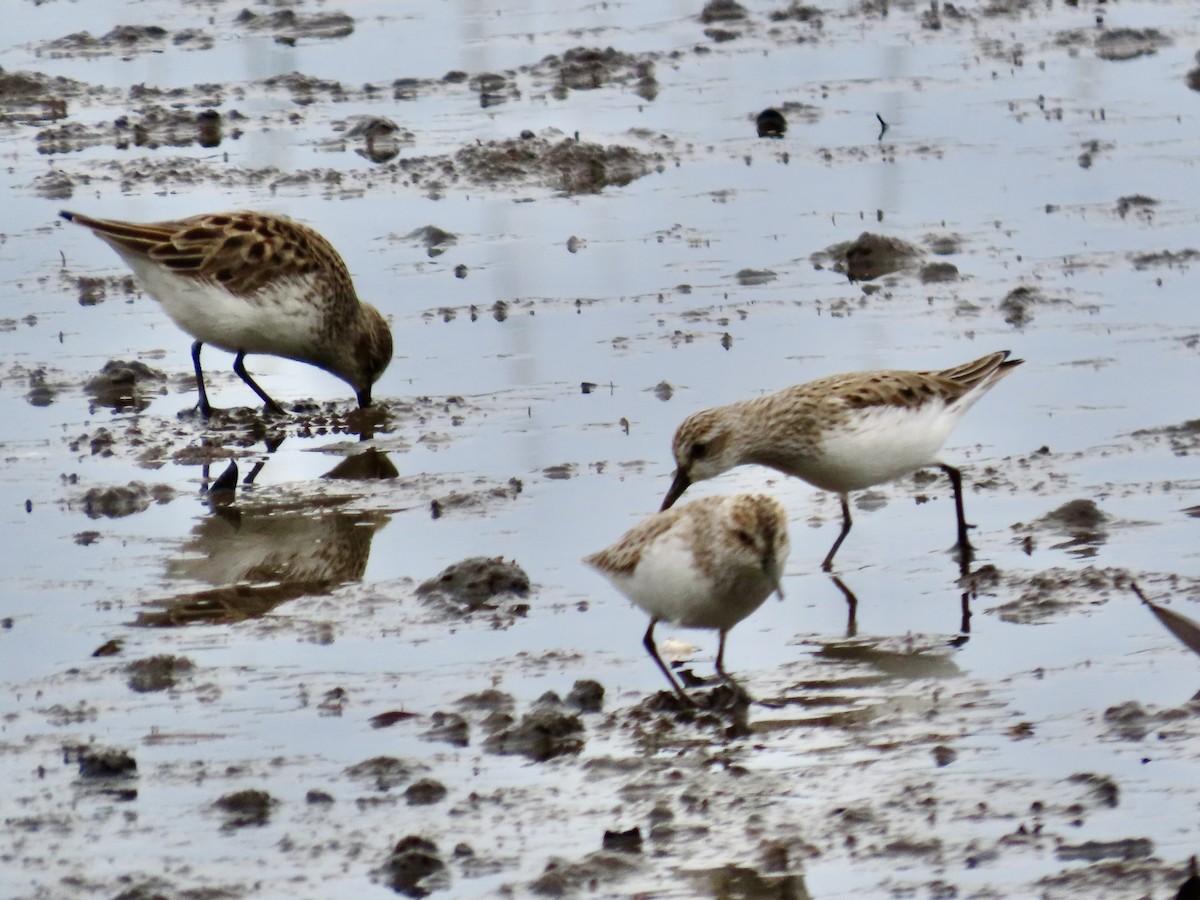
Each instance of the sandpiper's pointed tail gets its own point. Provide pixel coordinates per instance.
(982, 372)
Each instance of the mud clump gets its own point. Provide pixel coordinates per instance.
(1015, 306)
(1081, 521)
(936, 272)
(722, 11)
(563, 878)
(382, 772)
(93, 290)
(414, 868)
(1076, 516)
(1130, 721)
(587, 696)
(570, 166)
(482, 499)
(435, 240)
(157, 673)
(752, 277)
(1053, 592)
(425, 792)
(123, 39)
(245, 808)
(629, 841)
(151, 127)
(1140, 203)
(41, 391)
(1169, 258)
(117, 502)
(1183, 439)
(288, 26)
(1093, 851)
(381, 138)
(1018, 305)
(546, 731)
(97, 762)
(30, 98)
(588, 68)
(125, 385)
(869, 256)
(1101, 789)
(1120, 44)
(449, 727)
(474, 584)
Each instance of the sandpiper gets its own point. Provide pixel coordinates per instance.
(251, 282)
(705, 564)
(842, 433)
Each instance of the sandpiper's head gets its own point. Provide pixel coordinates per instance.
(703, 448)
(756, 528)
(371, 354)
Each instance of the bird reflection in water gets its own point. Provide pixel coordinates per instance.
(972, 581)
(259, 555)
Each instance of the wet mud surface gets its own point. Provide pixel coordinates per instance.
(348, 651)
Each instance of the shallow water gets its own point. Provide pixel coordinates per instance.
(988, 120)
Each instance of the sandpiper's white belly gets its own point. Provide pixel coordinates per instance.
(282, 318)
(669, 584)
(878, 444)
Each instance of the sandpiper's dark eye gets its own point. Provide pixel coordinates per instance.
(699, 451)
(744, 537)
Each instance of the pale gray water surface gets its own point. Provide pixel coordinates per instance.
(1008, 135)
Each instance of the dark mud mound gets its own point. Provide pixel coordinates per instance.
(475, 583)
(1120, 44)
(119, 501)
(1054, 592)
(122, 40)
(288, 26)
(1183, 439)
(567, 165)
(414, 868)
(30, 98)
(868, 256)
(589, 68)
(157, 673)
(125, 385)
(548, 730)
(246, 808)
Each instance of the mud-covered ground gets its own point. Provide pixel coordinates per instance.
(353, 653)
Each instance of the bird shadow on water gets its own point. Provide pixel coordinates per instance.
(257, 554)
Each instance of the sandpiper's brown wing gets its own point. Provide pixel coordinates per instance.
(242, 251)
(623, 556)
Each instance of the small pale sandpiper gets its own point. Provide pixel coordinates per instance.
(705, 564)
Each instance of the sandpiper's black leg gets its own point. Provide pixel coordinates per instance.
(966, 551)
(846, 523)
(652, 649)
(205, 406)
(239, 366)
(721, 657)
